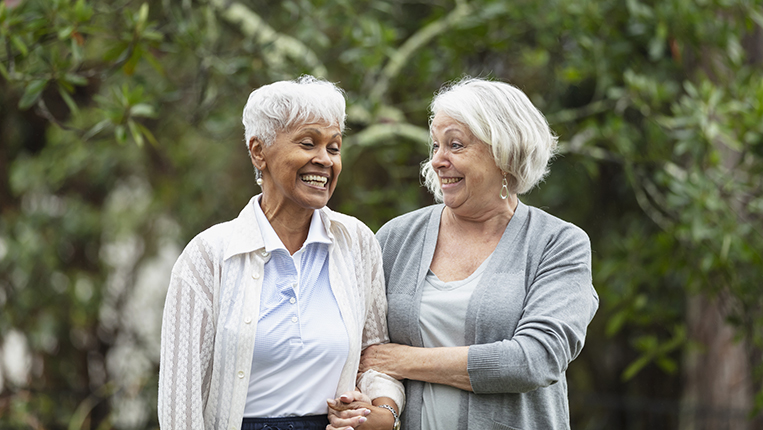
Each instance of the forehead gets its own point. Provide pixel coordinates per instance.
(442, 124)
(323, 127)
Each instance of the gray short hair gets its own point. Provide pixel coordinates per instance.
(276, 107)
(504, 118)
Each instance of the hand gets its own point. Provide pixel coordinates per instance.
(348, 411)
(353, 410)
(385, 358)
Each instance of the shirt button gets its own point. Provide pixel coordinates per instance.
(264, 253)
(292, 300)
(241, 374)
(294, 285)
(248, 320)
(256, 275)
(293, 319)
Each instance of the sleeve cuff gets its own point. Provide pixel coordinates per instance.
(375, 384)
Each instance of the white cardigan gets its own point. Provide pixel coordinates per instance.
(211, 312)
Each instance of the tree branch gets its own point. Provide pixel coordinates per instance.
(401, 56)
(281, 46)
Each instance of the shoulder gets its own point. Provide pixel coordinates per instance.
(553, 233)
(405, 224)
(539, 221)
(339, 222)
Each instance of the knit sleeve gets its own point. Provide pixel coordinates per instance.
(187, 340)
(373, 383)
(559, 304)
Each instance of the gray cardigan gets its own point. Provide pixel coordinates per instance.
(525, 322)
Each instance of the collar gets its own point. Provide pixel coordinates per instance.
(316, 231)
(247, 235)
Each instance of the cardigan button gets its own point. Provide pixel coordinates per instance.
(241, 374)
(256, 275)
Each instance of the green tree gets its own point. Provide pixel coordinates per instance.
(120, 139)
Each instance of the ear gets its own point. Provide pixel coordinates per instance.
(256, 152)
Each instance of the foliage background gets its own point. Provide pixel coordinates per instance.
(120, 139)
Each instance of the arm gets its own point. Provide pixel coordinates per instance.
(186, 345)
(372, 383)
(446, 366)
(559, 303)
(356, 409)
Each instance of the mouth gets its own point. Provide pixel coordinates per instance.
(448, 181)
(315, 180)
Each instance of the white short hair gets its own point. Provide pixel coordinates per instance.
(276, 107)
(501, 116)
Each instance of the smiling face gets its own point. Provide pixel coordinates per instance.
(301, 167)
(469, 177)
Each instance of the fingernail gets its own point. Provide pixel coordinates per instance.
(343, 397)
(331, 402)
(363, 419)
(367, 412)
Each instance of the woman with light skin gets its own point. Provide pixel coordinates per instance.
(489, 299)
(267, 314)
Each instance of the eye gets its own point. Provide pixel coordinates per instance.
(435, 146)
(456, 145)
(307, 143)
(333, 150)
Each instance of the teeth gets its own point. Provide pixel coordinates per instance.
(450, 180)
(315, 180)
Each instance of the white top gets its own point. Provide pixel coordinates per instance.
(211, 316)
(300, 348)
(443, 322)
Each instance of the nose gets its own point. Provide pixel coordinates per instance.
(322, 158)
(440, 158)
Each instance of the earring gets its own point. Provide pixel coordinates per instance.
(259, 177)
(259, 181)
(504, 188)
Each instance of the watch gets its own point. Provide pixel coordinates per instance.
(395, 426)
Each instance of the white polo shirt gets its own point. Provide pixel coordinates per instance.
(301, 342)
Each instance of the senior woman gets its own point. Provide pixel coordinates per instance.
(267, 314)
(489, 299)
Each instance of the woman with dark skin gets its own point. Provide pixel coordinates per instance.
(267, 314)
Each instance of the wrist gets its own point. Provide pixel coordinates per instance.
(396, 422)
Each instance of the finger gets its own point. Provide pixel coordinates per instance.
(340, 423)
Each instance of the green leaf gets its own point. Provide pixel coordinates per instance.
(32, 93)
(75, 79)
(65, 32)
(120, 133)
(97, 128)
(143, 109)
(147, 133)
(20, 45)
(68, 99)
(82, 12)
(135, 132)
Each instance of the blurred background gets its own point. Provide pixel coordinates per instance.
(121, 139)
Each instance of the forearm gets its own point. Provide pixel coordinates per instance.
(446, 366)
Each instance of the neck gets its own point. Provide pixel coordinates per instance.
(484, 220)
(290, 224)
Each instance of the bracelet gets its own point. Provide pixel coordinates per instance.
(396, 425)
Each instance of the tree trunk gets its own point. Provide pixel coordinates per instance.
(718, 391)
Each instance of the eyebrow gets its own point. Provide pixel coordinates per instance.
(317, 131)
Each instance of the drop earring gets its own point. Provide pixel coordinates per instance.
(259, 178)
(504, 188)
